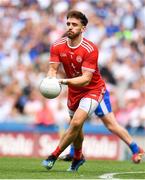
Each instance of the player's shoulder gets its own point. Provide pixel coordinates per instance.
(88, 45)
(60, 42)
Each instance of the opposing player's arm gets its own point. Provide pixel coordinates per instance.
(80, 81)
(53, 68)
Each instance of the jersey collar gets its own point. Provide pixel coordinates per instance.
(74, 47)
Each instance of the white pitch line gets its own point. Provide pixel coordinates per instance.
(111, 175)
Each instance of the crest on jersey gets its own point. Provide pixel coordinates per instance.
(79, 59)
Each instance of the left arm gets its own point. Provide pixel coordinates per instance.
(80, 81)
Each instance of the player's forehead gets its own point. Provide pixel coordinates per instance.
(73, 20)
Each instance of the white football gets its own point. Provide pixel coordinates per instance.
(50, 88)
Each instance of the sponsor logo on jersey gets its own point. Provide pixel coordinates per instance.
(63, 55)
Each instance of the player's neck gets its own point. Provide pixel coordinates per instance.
(75, 42)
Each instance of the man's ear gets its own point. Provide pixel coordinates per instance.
(83, 28)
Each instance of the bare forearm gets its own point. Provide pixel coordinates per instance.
(52, 70)
(51, 73)
(77, 82)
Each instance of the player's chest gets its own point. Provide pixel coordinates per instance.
(68, 57)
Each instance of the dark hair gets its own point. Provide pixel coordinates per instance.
(78, 15)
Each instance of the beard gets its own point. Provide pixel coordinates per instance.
(72, 35)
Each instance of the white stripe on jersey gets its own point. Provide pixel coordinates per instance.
(61, 41)
(89, 45)
(88, 69)
(86, 47)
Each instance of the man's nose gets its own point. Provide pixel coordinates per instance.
(70, 26)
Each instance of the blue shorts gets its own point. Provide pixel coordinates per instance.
(104, 106)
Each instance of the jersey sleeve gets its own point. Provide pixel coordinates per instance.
(91, 61)
(54, 55)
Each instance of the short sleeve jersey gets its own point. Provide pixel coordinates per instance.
(74, 60)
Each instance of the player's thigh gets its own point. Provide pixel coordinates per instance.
(86, 107)
(109, 119)
(79, 118)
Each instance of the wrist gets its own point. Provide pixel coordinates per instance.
(64, 81)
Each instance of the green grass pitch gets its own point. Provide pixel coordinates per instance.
(30, 168)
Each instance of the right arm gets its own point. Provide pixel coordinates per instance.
(53, 68)
(54, 63)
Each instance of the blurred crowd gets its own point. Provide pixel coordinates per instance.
(29, 27)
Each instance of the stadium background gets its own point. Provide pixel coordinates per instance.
(30, 125)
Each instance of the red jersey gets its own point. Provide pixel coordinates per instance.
(74, 59)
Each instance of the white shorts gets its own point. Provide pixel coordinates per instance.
(87, 104)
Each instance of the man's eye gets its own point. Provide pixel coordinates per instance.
(74, 24)
(68, 24)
